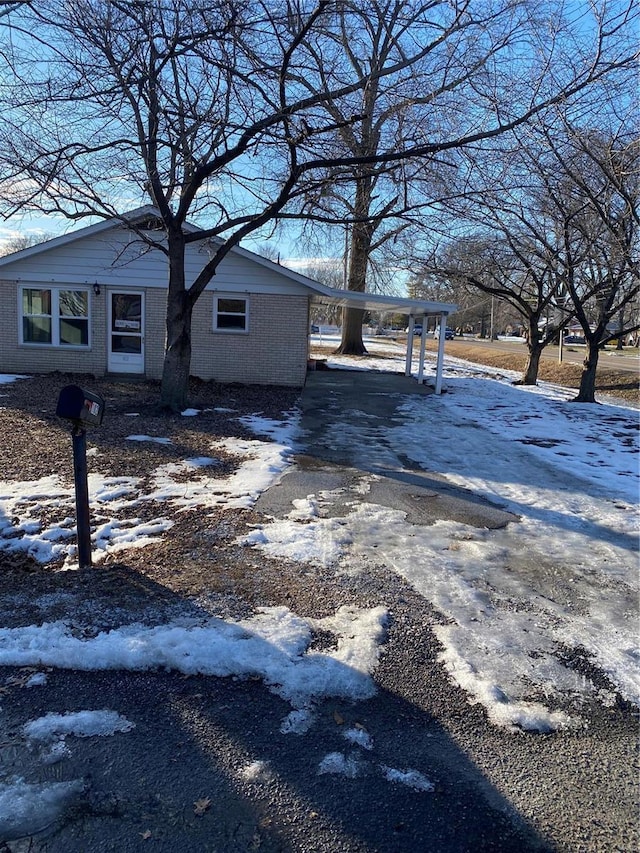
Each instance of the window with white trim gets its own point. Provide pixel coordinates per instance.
(54, 316)
(230, 313)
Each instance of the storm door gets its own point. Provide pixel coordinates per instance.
(126, 332)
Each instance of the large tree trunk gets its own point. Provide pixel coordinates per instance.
(534, 352)
(361, 236)
(351, 342)
(174, 392)
(587, 390)
(530, 375)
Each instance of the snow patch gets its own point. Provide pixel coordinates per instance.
(411, 778)
(358, 737)
(77, 723)
(257, 771)
(26, 809)
(339, 764)
(272, 645)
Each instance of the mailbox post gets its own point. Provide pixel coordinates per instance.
(82, 409)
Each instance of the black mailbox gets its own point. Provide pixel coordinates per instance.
(82, 408)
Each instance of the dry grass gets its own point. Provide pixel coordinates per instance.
(198, 557)
(618, 383)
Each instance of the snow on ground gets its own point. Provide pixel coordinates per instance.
(55, 727)
(517, 600)
(355, 764)
(26, 809)
(8, 378)
(272, 645)
(114, 499)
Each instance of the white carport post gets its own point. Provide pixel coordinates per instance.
(440, 359)
(423, 344)
(409, 355)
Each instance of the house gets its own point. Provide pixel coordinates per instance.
(94, 301)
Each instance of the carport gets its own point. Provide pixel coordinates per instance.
(417, 310)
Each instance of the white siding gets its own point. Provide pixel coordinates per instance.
(116, 257)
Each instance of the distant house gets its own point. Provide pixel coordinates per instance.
(94, 301)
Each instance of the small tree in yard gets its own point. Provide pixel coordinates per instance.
(512, 268)
(222, 111)
(597, 198)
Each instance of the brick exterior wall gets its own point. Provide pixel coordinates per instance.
(155, 301)
(17, 358)
(274, 351)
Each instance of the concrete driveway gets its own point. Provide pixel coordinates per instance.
(522, 790)
(345, 416)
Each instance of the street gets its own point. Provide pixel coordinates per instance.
(627, 359)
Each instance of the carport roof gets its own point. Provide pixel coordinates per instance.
(323, 295)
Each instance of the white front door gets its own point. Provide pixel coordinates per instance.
(126, 332)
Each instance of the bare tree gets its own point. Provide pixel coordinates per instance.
(453, 67)
(381, 36)
(547, 220)
(595, 192)
(509, 266)
(218, 110)
(557, 245)
(199, 107)
(23, 241)
(8, 6)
